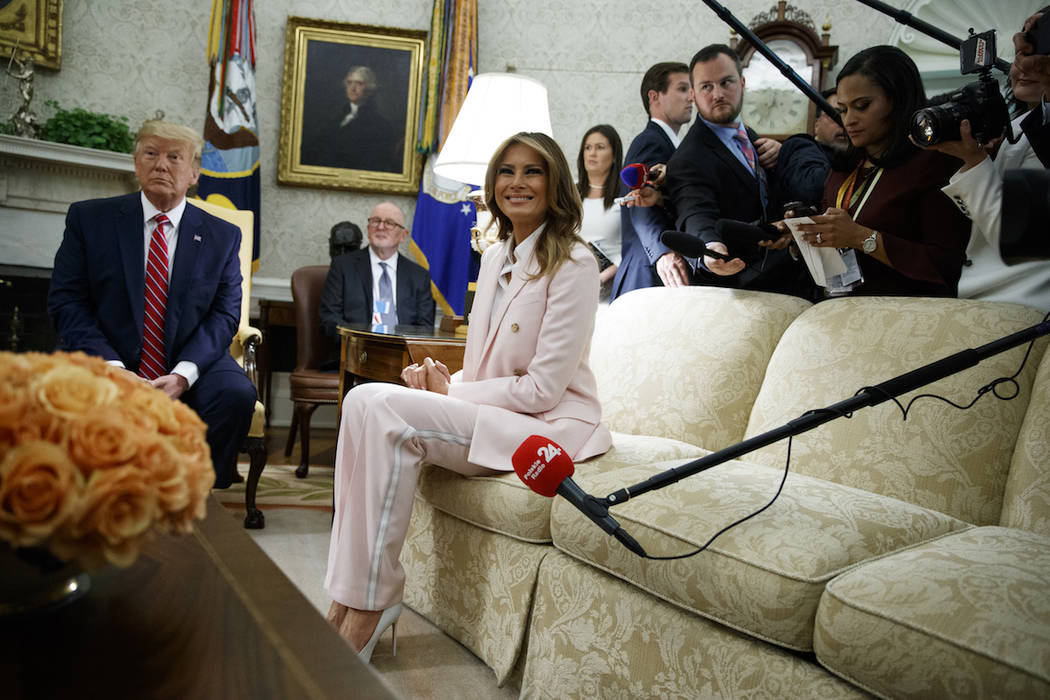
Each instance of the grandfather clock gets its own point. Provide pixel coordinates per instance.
(772, 105)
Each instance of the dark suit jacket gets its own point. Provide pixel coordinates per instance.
(368, 142)
(641, 226)
(706, 182)
(802, 167)
(97, 292)
(923, 232)
(347, 295)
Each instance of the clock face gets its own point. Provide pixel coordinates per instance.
(772, 104)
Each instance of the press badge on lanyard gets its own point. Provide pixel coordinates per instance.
(380, 307)
(852, 277)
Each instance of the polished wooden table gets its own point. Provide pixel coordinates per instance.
(206, 615)
(371, 355)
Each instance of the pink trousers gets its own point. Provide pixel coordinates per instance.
(387, 432)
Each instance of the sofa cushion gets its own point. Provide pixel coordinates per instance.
(504, 504)
(594, 636)
(686, 363)
(764, 576)
(941, 458)
(1026, 503)
(965, 616)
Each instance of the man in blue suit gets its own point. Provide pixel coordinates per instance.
(667, 96)
(153, 285)
(356, 281)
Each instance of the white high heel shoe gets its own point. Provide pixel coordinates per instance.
(387, 619)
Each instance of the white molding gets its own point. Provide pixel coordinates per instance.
(272, 288)
(35, 149)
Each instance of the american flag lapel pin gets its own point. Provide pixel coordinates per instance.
(197, 237)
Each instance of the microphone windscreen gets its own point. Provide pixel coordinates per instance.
(684, 243)
(542, 465)
(731, 230)
(634, 175)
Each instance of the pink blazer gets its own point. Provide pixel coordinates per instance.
(530, 363)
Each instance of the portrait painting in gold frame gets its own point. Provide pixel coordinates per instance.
(349, 106)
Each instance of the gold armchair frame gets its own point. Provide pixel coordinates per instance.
(244, 349)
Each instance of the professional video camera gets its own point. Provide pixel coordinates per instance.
(980, 102)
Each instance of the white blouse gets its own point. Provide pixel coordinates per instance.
(601, 227)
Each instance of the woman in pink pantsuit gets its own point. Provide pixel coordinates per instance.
(524, 372)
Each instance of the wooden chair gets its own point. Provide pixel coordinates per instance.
(243, 349)
(310, 387)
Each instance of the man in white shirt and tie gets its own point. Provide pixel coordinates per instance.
(377, 285)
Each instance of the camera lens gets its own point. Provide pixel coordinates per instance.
(925, 127)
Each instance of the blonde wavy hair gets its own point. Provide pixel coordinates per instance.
(564, 209)
(172, 132)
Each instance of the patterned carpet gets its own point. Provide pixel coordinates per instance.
(279, 488)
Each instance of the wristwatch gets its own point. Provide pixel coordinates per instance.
(870, 243)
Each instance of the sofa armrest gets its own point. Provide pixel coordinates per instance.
(961, 615)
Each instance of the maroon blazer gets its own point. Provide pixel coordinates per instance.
(923, 232)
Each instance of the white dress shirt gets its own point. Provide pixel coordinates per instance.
(667, 130)
(186, 369)
(377, 272)
(517, 256)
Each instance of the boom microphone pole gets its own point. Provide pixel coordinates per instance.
(910, 20)
(868, 396)
(785, 70)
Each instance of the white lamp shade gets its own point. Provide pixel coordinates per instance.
(497, 105)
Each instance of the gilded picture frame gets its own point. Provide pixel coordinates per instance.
(35, 28)
(350, 106)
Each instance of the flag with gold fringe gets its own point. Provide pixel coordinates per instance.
(230, 161)
(441, 225)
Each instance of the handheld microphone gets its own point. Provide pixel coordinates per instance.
(689, 245)
(635, 175)
(547, 470)
(730, 229)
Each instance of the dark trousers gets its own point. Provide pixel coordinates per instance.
(224, 398)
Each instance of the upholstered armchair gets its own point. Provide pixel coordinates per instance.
(244, 348)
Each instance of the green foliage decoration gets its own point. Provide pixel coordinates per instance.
(79, 127)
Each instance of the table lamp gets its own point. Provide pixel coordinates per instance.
(497, 105)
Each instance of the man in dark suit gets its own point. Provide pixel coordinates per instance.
(153, 284)
(359, 137)
(667, 96)
(354, 289)
(805, 161)
(722, 170)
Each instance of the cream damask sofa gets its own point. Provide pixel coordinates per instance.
(904, 558)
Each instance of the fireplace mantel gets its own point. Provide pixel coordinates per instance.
(38, 182)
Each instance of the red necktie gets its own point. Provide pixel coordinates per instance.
(153, 363)
(745, 147)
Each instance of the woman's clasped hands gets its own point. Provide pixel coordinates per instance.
(431, 375)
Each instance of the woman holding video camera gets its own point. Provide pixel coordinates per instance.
(977, 189)
(885, 210)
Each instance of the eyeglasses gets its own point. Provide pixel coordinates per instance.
(376, 222)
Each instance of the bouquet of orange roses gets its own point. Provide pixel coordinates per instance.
(93, 460)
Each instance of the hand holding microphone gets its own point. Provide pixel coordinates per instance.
(546, 469)
(644, 183)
